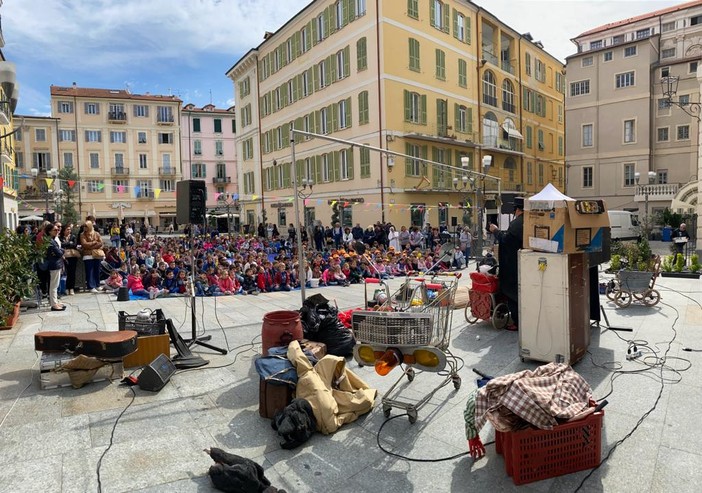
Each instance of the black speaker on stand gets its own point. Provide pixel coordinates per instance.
(191, 199)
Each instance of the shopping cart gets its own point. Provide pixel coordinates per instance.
(412, 329)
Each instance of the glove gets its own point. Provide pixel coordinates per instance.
(476, 448)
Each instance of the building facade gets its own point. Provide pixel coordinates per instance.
(209, 154)
(437, 81)
(620, 123)
(121, 150)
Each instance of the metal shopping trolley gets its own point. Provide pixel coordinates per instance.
(412, 329)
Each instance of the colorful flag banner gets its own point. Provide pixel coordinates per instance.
(49, 182)
(157, 193)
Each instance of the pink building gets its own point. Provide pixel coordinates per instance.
(209, 154)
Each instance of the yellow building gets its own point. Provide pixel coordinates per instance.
(123, 151)
(9, 93)
(435, 80)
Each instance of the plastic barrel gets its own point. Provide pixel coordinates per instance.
(280, 328)
(667, 233)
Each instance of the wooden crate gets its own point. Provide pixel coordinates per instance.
(148, 348)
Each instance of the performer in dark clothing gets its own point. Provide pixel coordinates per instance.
(681, 232)
(510, 242)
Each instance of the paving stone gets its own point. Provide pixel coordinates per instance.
(32, 475)
(677, 470)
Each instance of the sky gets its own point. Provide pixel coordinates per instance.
(185, 47)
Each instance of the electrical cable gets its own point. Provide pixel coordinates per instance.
(413, 459)
(249, 346)
(112, 437)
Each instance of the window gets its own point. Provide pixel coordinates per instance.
(119, 186)
(41, 160)
(413, 9)
(324, 123)
(665, 72)
(93, 136)
(489, 89)
(165, 114)
(326, 168)
(415, 108)
(339, 14)
(67, 160)
(413, 167)
(440, 65)
(219, 148)
(662, 176)
(587, 61)
(67, 135)
(618, 39)
(361, 55)
(587, 135)
(321, 28)
(629, 51)
(360, 8)
(587, 176)
(414, 55)
(304, 40)
(305, 87)
(629, 131)
(579, 88)
(624, 80)
(91, 108)
(540, 140)
(560, 145)
(322, 70)
(663, 107)
(233, 125)
(365, 162)
(683, 132)
(344, 166)
(607, 56)
(530, 173)
(595, 45)
(65, 107)
(218, 125)
(643, 33)
(341, 65)
(199, 170)
(459, 26)
(141, 137)
(663, 134)
(18, 134)
(529, 137)
(363, 111)
(119, 160)
(197, 147)
(507, 96)
(165, 138)
(668, 26)
(684, 99)
(462, 70)
(439, 15)
(541, 173)
(141, 110)
(94, 160)
(668, 53)
(629, 175)
(462, 123)
(527, 63)
(40, 134)
(245, 84)
(166, 161)
(143, 162)
(96, 186)
(116, 112)
(118, 137)
(693, 67)
(196, 125)
(167, 186)
(696, 20)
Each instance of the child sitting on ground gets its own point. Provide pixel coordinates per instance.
(226, 285)
(134, 283)
(183, 283)
(113, 283)
(249, 283)
(170, 283)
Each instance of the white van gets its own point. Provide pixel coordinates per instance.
(625, 225)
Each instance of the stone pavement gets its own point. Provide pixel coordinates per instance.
(51, 440)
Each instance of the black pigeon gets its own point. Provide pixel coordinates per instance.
(235, 474)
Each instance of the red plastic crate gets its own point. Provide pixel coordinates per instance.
(532, 455)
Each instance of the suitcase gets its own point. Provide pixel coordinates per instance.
(272, 398)
(100, 344)
(318, 349)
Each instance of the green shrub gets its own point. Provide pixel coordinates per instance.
(695, 263)
(616, 262)
(679, 263)
(668, 263)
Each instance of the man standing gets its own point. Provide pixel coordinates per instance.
(510, 243)
(680, 238)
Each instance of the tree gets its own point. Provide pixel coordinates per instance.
(66, 206)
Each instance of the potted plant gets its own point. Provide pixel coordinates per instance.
(18, 255)
(675, 267)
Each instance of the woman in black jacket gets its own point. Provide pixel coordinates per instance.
(70, 256)
(54, 259)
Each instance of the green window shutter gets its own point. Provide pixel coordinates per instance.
(286, 175)
(349, 160)
(363, 108)
(332, 67)
(431, 13)
(310, 80)
(455, 23)
(351, 10)
(336, 170)
(424, 109)
(408, 104)
(315, 76)
(298, 126)
(333, 110)
(298, 170)
(347, 61)
(286, 135)
(437, 62)
(348, 122)
(284, 94)
(445, 18)
(297, 39)
(560, 145)
(435, 169)
(347, 8)
(365, 162)
(408, 161)
(525, 98)
(457, 127)
(328, 68)
(312, 29)
(462, 76)
(327, 20)
(529, 137)
(468, 30)
(469, 121)
(318, 169)
(424, 154)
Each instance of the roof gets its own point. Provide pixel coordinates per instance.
(88, 92)
(208, 108)
(642, 17)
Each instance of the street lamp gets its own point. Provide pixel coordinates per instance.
(53, 173)
(645, 190)
(465, 185)
(669, 88)
(224, 200)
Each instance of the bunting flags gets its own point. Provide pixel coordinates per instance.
(2, 184)
(49, 182)
(73, 182)
(120, 188)
(137, 189)
(157, 193)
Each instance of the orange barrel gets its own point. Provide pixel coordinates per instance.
(280, 328)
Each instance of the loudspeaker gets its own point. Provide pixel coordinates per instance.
(157, 374)
(190, 201)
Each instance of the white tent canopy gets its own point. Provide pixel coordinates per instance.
(548, 198)
(31, 218)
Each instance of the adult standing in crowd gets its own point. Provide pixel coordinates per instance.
(291, 232)
(337, 235)
(680, 238)
(466, 240)
(394, 239)
(91, 243)
(357, 232)
(510, 243)
(54, 259)
(404, 238)
(70, 256)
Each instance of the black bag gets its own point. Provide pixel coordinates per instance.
(339, 340)
(295, 424)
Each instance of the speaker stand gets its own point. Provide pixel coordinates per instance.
(609, 327)
(194, 339)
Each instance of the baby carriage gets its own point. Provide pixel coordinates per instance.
(484, 300)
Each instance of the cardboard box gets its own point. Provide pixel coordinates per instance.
(148, 349)
(567, 226)
(50, 378)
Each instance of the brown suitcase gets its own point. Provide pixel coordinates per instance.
(100, 344)
(272, 398)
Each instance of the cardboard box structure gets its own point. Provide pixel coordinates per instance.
(556, 223)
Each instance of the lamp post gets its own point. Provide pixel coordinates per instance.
(229, 202)
(645, 190)
(53, 173)
(669, 88)
(487, 162)
(466, 184)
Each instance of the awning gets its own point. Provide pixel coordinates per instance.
(512, 132)
(31, 218)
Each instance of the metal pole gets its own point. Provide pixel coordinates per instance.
(300, 252)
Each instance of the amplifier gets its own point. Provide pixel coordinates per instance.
(156, 374)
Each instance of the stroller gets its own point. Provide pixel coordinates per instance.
(485, 302)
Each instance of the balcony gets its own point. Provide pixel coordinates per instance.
(5, 113)
(120, 171)
(508, 107)
(145, 195)
(167, 171)
(8, 151)
(490, 100)
(507, 67)
(490, 57)
(197, 152)
(656, 193)
(165, 120)
(221, 179)
(117, 117)
(511, 145)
